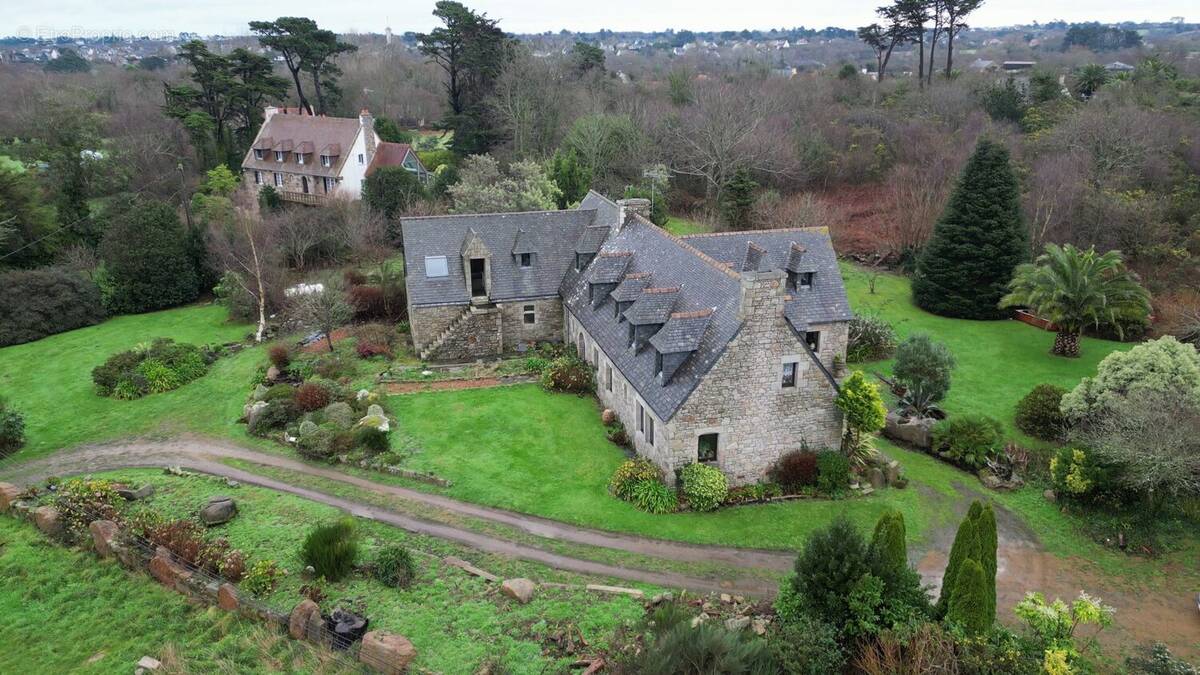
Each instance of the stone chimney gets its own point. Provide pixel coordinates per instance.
(367, 122)
(763, 295)
(628, 207)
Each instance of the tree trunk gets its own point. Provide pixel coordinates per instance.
(329, 340)
(1066, 343)
(258, 278)
(921, 60)
(317, 88)
(304, 106)
(949, 53)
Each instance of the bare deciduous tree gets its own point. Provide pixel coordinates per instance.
(248, 247)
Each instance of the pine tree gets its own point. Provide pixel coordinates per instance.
(888, 549)
(738, 200)
(968, 607)
(966, 543)
(977, 243)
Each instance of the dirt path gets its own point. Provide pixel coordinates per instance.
(1023, 565)
(204, 455)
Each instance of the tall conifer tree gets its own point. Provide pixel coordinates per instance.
(977, 243)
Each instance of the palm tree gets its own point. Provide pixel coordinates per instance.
(1090, 78)
(1075, 288)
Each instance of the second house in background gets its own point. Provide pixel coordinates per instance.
(309, 159)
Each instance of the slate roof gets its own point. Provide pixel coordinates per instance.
(631, 287)
(703, 285)
(683, 332)
(303, 133)
(689, 285)
(554, 231)
(389, 154)
(825, 302)
(609, 268)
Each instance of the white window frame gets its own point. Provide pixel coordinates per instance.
(278, 179)
(259, 154)
(522, 258)
(529, 315)
(279, 155)
(258, 178)
(326, 161)
(300, 158)
(362, 159)
(436, 263)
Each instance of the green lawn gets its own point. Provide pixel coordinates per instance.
(456, 621)
(523, 449)
(998, 361)
(64, 611)
(682, 227)
(50, 381)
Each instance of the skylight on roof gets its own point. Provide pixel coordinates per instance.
(436, 266)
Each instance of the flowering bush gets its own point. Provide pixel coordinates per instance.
(1053, 626)
(704, 486)
(630, 472)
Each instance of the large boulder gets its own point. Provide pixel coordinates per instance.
(273, 374)
(876, 477)
(916, 431)
(131, 495)
(345, 628)
(260, 392)
(167, 572)
(519, 589)
(227, 597)
(386, 653)
(253, 411)
(9, 493)
(104, 534)
(48, 520)
(218, 510)
(379, 422)
(298, 620)
(375, 409)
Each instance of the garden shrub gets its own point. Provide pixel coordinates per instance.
(161, 366)
(146, 259)
(277, 415)
(331, 549)
(340, 414)
(394, 566)
(889, 548)
(536, 365)
(1039, 413)
(864, 413)
(1078, 474)
(630, 472)
(704, 486)
(319, 444)
(280, 392)
(827, 569)
(1156, 659)
(312, 396)
(368, 302)
(924, 364)
(616, 434)
(652, 496)
(280, 356)
(833, 472)
(807, 646)
(12, 429)
(706, 648)
(332, 366)
(79, 502)
(1161, 366)
(968, 605)
(870, 338)
(219, 558)
(374, 339)
(263, 577)
(968, 440)
(568, 374)
(367, 350)
(795, 470)
(371, 439)
(40, 302)
(184, 538)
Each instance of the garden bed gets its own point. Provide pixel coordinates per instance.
(453, 385)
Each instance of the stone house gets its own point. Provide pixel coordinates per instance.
(718, 348)
(311, 159)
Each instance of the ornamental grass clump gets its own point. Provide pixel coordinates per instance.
(629, 473)
(331, 549)
(395, 567)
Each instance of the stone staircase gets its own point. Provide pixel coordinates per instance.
(440, 340)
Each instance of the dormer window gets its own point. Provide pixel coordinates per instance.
(631, 334)
(526, 260)
(582, 260)
(658, 364)
(806, 279)
(279, 155)
(259, 154)
(813, 339)
(300, 158)
(326, 161)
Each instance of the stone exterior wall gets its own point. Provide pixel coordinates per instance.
(291, 180)
(742, 398)
(478, 337)
(622, 398)
(547, 326)
(427, 323)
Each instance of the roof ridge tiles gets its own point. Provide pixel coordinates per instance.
(689, 248)
(663, 289)
(495, 215)
(615, 254)
(695, 314)
(808, 228)
(637, 275)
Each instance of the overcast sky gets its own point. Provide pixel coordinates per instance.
(125, 17)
